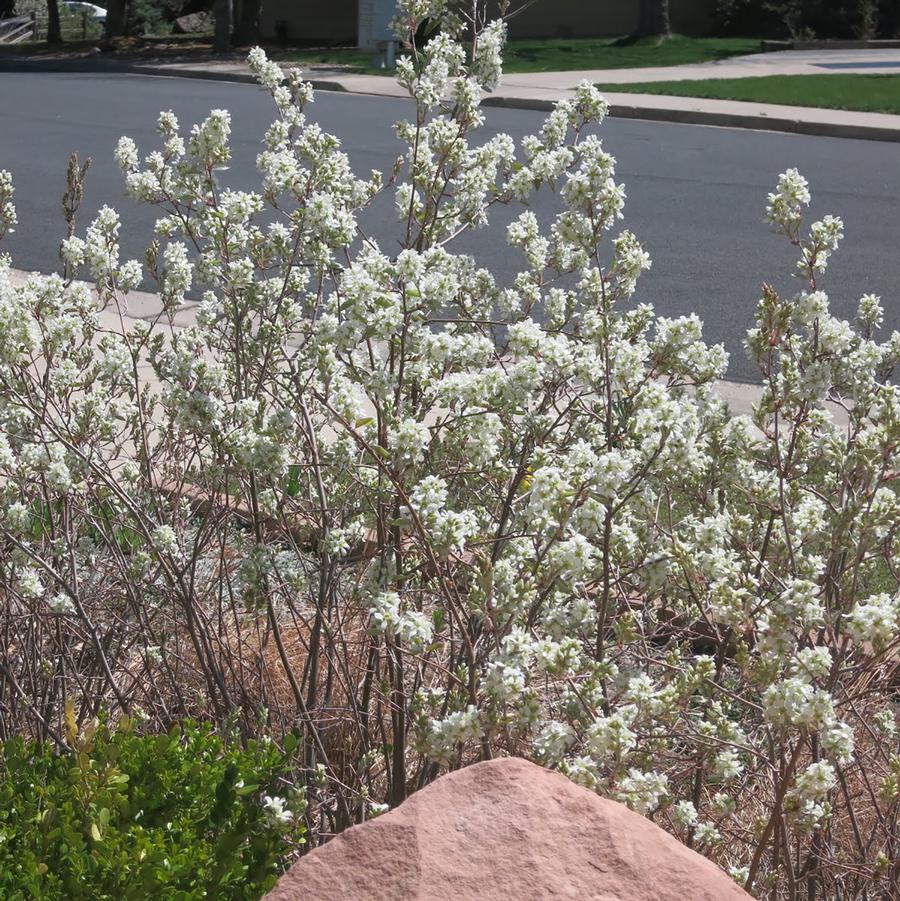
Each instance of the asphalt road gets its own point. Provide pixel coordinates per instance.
(696, 195)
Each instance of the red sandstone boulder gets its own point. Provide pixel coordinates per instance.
(506, 830)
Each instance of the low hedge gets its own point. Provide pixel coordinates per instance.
(121, 815)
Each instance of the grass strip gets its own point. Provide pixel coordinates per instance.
(860, 93)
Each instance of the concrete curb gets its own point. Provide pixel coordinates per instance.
(762, 123)
(882, 44)
(113, 67)
(754, 121)
(767, 46)
(118, 67)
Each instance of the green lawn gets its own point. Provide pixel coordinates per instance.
(560, 55)
(547, 55)
(159, 46)
(865, 93)
(563, 55)
(357, 60)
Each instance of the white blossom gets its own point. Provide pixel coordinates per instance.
(277, 810)
(62, 604)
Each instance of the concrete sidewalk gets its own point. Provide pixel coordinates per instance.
(783, 62)
(540, 90)
(144, 306)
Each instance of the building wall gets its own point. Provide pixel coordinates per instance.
(310, 21)
(693, 17)
(574, 18)
(601, 18)
(334, 21)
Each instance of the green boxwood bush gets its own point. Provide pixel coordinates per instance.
(181, 815)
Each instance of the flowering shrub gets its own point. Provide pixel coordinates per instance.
(122, 815)
(425, 517)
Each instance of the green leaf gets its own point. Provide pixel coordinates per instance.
(291, 741)
(292, 487)
(95, 833)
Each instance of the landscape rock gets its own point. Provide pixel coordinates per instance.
(500, 830)
(194, 23)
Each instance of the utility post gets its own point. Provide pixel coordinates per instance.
(223, 11)
(374, 32)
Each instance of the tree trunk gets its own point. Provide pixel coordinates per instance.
(222, 10)
(247, 28)
(54, 31)
(653, 19)
(115, 18)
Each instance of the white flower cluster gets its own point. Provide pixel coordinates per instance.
(446, 737)
(8, 218)
(504, 514)
(61, 603)
(807, 800)
(786, 203)
(409, 441)
(413, 629)
(449, 529)
(874, 620)
(276, 809)
(487, 66)
(643, 791)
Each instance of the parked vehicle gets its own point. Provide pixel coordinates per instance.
(97, 13)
